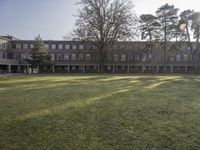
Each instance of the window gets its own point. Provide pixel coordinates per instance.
(116, 57)
(46, 46)
(1, 46)
(81, 47)
(130, 57)
(178, 57)
(25, 46)
(171, 59)
(185, 57)
(66, 57)
(80, 57)
(87, 57)
(52, 57)
(10, 55)
(74, 46)
(4, 55)
(73, 57)
(150, 57)
(144, 58)
(60, 46)
(18, 46)
(137, 57)
(31, 46)
(67, 46)
(123, 57)
(4, 45)
(22, 56)
(53, 46)
(59, 57)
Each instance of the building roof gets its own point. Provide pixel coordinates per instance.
(9, 38)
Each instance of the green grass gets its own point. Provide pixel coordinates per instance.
(101, 112)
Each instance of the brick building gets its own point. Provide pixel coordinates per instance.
(75, 56)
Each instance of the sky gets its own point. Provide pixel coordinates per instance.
(53, 19)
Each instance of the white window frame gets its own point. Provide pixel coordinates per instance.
(66, 57)
(81, 47)
(178, 57)
(46, 46)
(87, 57)
(123, 57)
(80, 57)
(52, 56)
(185, 57)
(25, 46)
(59, 55)
(22, 56)
(53, 46)
(67, 46)
(60, 46)
(18, 46)
(73, 57)
(116, 57)
(31, 46)
(74, 46)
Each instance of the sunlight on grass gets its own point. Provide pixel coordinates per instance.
(100, 112)
(115, 78)
(73, 104)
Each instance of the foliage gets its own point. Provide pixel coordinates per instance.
(168, 18)
(39, 54)
(149, 27)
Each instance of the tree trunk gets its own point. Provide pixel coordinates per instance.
(165, 47)
(101, 63)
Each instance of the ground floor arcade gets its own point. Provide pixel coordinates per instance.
(123, 69)
(89, 68)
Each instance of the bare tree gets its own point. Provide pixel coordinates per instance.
(102, 22)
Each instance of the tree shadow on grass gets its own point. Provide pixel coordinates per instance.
(128, 113)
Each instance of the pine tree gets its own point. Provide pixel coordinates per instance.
(168, 19)
(38, 55)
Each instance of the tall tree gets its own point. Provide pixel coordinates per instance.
(149, 27)
(38, 55)
(185, 25)
(102, 22)
(195, 17)
(168, 18)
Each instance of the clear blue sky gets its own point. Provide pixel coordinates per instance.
(54, 18)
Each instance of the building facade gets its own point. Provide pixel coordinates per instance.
(77, 57)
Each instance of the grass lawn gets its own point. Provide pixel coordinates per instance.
(100, 112)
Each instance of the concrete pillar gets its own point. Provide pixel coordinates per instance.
(113, 68)
(128, 69)
(98, 69)
(28, 68)
(68, 68)
(53, 69)
(143, 68)
(157, 69)
(186, 69)
(18, 69)
(171, 69)
(83, 68)
(9, 69)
